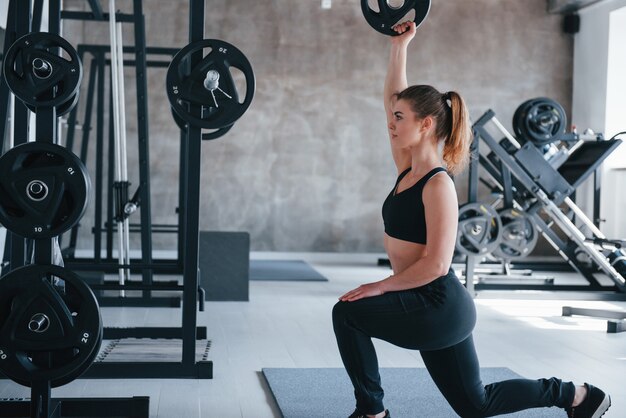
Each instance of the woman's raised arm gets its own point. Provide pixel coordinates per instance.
(396, 80)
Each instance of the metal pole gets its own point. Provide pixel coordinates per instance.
(192, 202)
(116, 123)
(84, 147)
(124, 158)
(143, 141)
(20, 21)
(99, 157)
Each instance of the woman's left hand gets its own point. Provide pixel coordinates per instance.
(364, 291)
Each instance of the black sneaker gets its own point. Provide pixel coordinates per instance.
(595, 404)
(357, 414)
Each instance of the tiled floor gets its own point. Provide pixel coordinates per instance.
(288, 324)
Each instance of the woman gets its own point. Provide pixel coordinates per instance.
(423, 306)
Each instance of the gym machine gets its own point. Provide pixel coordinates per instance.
(212, 129)
(50, 323)
(535, 179)
(120, 206)
(210, 102)
(189, 366)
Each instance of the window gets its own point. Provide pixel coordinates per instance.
(616, 85)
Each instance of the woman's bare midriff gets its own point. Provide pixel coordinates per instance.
(402, 253)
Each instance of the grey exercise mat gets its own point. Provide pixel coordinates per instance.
(288, 270)
(409, 393)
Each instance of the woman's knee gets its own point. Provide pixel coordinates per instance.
(470, 405)
(340, 311)
(468, 410)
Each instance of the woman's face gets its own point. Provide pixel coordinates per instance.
(404, 127)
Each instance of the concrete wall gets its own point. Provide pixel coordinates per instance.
(308, 166)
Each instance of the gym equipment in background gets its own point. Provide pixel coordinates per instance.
(210, 85)
(40, 77)
(182, 124)
(536, 174)
(541, 121)
(479, 230)
(519, 235)
(51, 325)
(43, 189)
(383, 15)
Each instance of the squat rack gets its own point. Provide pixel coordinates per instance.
(187, 262)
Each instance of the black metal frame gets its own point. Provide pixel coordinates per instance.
(41, 404)
(188, 213)
(96, 263)
(135, 407)
(109, 264)
(190, 171)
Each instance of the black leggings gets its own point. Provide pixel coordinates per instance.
(438, 320)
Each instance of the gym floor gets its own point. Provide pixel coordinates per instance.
(287, 324)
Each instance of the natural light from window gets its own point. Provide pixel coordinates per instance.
(616, 85)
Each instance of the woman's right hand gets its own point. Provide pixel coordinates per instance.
(406, 32)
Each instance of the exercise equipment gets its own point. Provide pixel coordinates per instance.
(479, 230)
(540, 120)
(383, 15)
(519, 236)
(50, 325)
(37, 75)
(121, 184)
(104, 258)
(542, 188)
(205, 135)
(209, 84)
(63, 108)
(43, 190)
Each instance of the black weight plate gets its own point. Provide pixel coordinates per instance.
(205, 135)
(545, 121)
(518, 119)
(541, 121)
(389, 14)
(186, 90)
(55, 87)
(479, 229)
(65, 344)
(63, 108)
(44, 190)
(519, 235)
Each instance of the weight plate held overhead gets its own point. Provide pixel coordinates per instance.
(383, 15)
(479, 229)
(44, 189)
(38, 75)
(50, 325)
(206, 96)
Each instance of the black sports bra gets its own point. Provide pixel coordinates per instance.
(403, 213)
